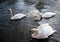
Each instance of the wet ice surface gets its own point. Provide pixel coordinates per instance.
(18, 31)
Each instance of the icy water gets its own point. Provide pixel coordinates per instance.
(18, 31)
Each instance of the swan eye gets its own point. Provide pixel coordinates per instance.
(35, 16)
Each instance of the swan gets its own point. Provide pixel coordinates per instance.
(34, 14)
(17, 16)
(42, 31)
(48, 14)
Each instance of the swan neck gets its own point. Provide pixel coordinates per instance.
(36, 33)
(10, 10)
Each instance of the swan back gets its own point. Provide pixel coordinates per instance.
(18, 16)
(46, 29)
(48, 14)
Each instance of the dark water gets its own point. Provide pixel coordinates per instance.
(18, 31)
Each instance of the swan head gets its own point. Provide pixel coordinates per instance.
(34, 30)
(34, 33)
(10, 9)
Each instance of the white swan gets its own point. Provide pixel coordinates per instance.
(34, 14)
(17, 16)
(42, 31)
(48, 14)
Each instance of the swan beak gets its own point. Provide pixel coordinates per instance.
(34, 30)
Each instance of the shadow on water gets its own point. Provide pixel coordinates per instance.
(18, 31)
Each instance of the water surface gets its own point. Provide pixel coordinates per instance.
(18, 31)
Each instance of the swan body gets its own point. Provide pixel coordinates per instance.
(42, 31)
(18, 16)
(48, 15)
(34, 14)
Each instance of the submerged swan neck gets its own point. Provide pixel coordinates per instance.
(10, 12)
(34, 29)
(36, 32)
